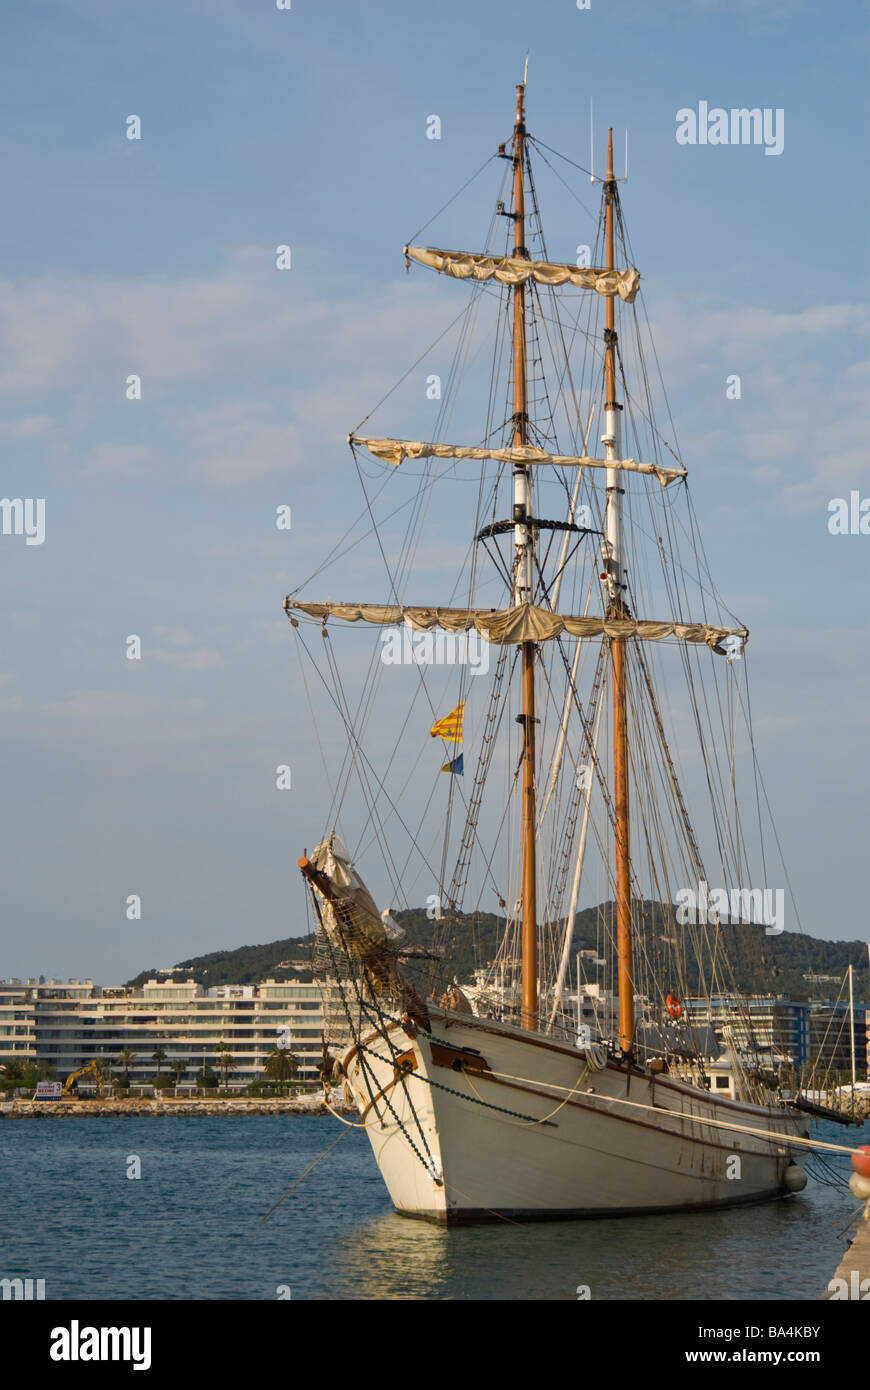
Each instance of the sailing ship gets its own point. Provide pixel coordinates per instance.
(499, 1102)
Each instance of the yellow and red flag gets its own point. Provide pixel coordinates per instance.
(450, 727)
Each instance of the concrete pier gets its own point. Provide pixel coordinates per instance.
(852, 1279)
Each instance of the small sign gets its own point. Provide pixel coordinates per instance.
(49, 1090)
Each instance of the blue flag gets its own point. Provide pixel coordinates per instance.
(455, 766)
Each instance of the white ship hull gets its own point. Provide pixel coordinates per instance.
(460, 1138)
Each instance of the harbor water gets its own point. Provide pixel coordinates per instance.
(192, 1225)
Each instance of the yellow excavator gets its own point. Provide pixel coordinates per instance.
(82, 1071)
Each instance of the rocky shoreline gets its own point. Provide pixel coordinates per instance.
(842, 1100)
(101, 1109)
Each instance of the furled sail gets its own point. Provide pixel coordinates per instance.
(523, 623)
(352, 923)
(396, 450)
(515, 270)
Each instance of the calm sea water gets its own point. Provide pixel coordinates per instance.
(191, 1227)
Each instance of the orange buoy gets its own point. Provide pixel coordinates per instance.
(673, 1006)
(861, 1161)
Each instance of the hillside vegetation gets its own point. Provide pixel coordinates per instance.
(761, 964)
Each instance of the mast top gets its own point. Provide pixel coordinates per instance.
(609, 177)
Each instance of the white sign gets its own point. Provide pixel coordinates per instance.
(48, 1090)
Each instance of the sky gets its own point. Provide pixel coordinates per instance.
(156, 257)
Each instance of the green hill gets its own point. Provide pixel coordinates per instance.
(243, 966)
(761, 964)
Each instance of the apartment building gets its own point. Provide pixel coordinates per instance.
(800, 1030)
(830, 1036)
(17, 1022)
(67, 1024)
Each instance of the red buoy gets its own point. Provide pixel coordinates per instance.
(861, 1161)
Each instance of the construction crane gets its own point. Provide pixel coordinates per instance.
(82, 1071)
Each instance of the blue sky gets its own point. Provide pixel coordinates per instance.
(307, 127)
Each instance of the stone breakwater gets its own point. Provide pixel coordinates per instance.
(842, 1100)
(100, 1109)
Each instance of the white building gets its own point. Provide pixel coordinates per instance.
(67, 1024)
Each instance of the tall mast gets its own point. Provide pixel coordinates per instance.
(617, 608)
(523, 583)
(852, 1031)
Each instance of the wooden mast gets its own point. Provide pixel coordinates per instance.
(617, 608)
(523, 586)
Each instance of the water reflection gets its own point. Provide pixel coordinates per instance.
(715, 1255)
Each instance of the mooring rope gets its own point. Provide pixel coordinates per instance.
(309, 1169)
(528, 1124)
(351, 1124)
(779, 1136)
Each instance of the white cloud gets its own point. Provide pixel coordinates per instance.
(200, 659)
(119, 461)
(26, 427)
(58, 332)
(249, 371)
(766, 10)
(799, 424)
(99, 705)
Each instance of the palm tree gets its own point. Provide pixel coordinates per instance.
(125, 1059)
(179, 1067)
(281, 1065)
(13, 1071)
(159, 1056)
(225, 1061)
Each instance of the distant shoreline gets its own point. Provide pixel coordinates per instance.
(102, 1109)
